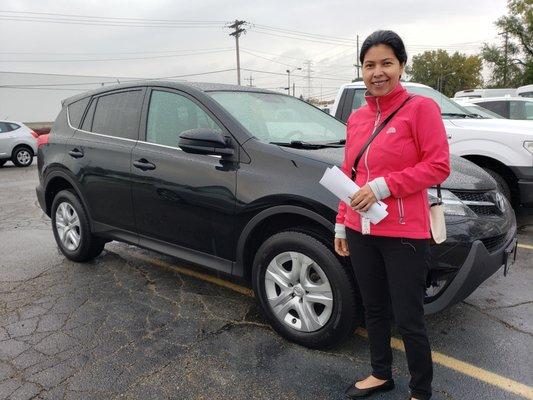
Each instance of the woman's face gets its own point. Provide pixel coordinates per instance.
(381, 70)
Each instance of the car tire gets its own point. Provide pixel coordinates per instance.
(503, 186)
(22, 156)
(331, 323)
(2, 162)
(70, 225)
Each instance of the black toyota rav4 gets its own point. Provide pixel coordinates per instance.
(226, 177)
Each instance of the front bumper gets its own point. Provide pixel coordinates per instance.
(525, 185)
(478, 266)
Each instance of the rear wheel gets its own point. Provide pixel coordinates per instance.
(503, 186)
(303, 290)
(70, 225)
(22, 156)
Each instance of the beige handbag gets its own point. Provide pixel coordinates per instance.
(436, 219)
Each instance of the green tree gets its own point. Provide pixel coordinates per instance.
(511, 61)
(445, 72)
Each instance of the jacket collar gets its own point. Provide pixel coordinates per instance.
(391, 99)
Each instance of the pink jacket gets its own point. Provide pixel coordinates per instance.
(408, 156)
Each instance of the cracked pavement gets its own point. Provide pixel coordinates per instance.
(122, 328)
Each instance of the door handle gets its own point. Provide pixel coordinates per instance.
(449, 136)
(144, 164)
(76, 153)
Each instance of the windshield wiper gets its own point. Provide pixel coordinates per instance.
(298, 144)
(460, 115)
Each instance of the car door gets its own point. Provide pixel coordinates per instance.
(99, 155)
(182, 199)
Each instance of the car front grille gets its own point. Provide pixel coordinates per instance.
(481, 203)
(494, 243)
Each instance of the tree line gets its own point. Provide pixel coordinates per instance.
(510, 61)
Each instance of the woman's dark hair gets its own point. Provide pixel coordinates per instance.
(388, 38)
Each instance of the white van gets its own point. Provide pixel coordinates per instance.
(525, 91)
(476, 93)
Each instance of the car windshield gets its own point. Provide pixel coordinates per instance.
(483, 112)
(449, 109)
(274, 117)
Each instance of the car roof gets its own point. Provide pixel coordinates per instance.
(199, 86)
(501, 98)
(362, 84)
(11, 122)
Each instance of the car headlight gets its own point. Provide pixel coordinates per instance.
(451, 203)
(529, 146)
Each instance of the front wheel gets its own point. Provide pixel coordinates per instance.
(70, 225)
(303, 290)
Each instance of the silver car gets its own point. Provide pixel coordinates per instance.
(18, 143)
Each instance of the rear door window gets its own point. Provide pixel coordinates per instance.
(88, 121)
(517, 110)
(118, 114)
(13, 127)
(4, 127)
(76, 110)
(170, 114)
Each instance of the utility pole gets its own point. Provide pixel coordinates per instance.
(308, 63)
(237, 33)
(293, 89)
(357, 58)
(506, 35)
(251, 80)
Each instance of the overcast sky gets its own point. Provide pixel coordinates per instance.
(423, 24)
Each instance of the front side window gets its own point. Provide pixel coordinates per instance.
(170, 114)
(118, 114)
(278, 118)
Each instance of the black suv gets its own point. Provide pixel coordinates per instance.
(226, 177)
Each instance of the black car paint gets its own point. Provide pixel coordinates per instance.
(208, 212)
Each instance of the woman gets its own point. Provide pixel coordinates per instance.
(390, 259)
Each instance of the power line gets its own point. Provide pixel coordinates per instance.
(300, 33)
(268, 59)
(108, 53)
(300, 38)
(115, 59)
(299, 76)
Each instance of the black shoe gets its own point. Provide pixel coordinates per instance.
(354, 393)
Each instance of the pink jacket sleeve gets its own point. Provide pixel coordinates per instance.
(434, 165)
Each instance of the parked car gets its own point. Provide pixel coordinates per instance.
(508, 107)
(525, 91)
(503, 148)
(479, 93)
(18, 143)
(474, 109)
(226, 177)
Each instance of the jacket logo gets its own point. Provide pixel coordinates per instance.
(392, 129)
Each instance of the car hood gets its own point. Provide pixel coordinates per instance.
(464, 175)
(495, 125)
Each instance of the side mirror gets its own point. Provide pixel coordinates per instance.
(205, 141)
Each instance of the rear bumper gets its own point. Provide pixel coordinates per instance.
(478, 267)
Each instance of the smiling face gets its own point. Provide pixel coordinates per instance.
(381, 70)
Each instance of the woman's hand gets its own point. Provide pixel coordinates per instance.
(363, 199)
(341, 247)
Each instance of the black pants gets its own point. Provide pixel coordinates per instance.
(393, 271)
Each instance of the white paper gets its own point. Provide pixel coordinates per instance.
(343, 187)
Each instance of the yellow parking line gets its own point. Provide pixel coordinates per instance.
(454, 364)
(525, 246)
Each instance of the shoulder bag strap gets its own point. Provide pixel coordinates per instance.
(374, 134)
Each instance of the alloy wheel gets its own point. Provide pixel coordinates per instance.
(23, 157)
(67, 224)
(298, 291)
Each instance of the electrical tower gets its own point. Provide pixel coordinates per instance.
(237, 33)
(251, 81)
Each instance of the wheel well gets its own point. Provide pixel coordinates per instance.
(18, 146)
(278, 223)
(500, 168)
(54, 187)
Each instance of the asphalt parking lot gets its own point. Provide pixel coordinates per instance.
(134, 324)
